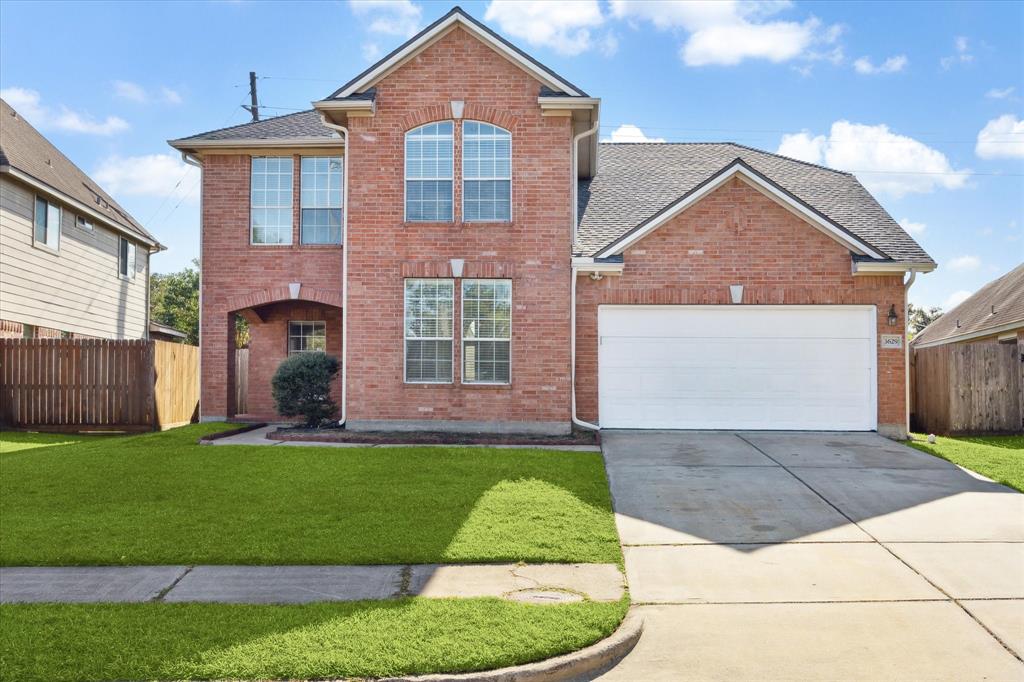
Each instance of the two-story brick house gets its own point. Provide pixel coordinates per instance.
(448, 225)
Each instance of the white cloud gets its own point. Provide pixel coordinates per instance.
(371, 52)
(389, 17)
(890, 65)
(955, 299)
(628, 132)
(728, 32)
(153, 175)
(996, 93)
(962, 53)
(916, 229)
(883, 160)
(29, 104)
(170, 96)
(1001, 138)
(565, 27)
(964, 263)
(130, 91)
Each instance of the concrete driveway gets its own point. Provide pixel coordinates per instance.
(814, 556)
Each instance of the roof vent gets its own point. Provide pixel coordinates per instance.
(958, 324)
(993, 310)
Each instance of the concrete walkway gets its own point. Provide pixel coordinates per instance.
(784, 556)
(537, 583)
(259, 437)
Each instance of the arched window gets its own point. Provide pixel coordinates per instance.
(429, 162)
(486, 172)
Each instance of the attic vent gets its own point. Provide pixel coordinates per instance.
(958, 324)
(993, 310)
(49, 162)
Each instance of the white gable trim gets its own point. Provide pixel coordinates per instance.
(427, 38)
(738, 169)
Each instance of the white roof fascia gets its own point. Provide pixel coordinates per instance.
(827, 226)
(890, 267)
(546, 77)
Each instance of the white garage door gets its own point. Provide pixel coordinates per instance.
(737, 367)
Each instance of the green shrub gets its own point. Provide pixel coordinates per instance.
(302, 387)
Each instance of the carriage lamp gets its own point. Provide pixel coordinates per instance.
(893, 318)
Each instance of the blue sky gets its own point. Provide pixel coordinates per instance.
(922, 100)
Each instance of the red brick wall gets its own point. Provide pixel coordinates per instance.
(234, 269)
(533, 251)
(747, 239)
(268, 347)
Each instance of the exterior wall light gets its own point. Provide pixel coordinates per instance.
(736, 293)
(893, 318)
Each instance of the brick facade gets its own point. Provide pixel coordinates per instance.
(749, 239)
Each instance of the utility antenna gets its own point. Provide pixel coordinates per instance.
(254, 108)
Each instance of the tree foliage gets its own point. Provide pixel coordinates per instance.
(174, 300)
(919, 318)
(302, 387)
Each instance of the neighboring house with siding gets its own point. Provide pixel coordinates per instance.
(993, 314)
(73, 263)
(448, 225)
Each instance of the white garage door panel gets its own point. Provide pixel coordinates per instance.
(732, 367)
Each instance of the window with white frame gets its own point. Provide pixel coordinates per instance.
(126, 258)
(271, 200)
(320, 200)
(429, 323)
(47, 224)
(307, 337)
(429, 168)
(486, 173)
(486, 331)
(83, 223)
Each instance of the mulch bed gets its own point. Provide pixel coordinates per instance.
(578, 437)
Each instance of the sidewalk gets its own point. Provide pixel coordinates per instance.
(536, 583)
(259, 437)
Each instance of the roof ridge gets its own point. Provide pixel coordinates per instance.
(243, 125)
(790, 158)
(732, 144)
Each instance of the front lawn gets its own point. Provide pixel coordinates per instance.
(161, 498)
(312, 641)
(1000, 458)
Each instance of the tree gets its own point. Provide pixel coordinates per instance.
(302, 386)
(174, 300)
(919, 318)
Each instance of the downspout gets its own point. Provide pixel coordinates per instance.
(192, 161)
(344, 267)
(574, 183)
(906, 346)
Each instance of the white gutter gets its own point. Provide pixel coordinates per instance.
(574, 173)
(906, 346)
(199, 164)
(344, 265)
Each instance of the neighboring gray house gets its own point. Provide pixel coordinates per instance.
(73, 263)
(994, 313)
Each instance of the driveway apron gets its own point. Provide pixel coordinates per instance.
(781, 556)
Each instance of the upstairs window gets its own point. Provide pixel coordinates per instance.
(486, 331)
(429, 326)
(126, 258)
(271, 200)
(486, 173)
(321, 199)
(83, 223)
(307, 337)
(429, 168)
(47, 224)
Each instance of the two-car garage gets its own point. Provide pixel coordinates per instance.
(737, 367)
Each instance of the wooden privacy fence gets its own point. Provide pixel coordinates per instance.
(97, 384)
(968, 388)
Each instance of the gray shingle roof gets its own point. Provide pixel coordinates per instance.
(22, 147)
(1005, 295)
(636, 181)
(303, 124)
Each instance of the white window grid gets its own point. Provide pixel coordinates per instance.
(487, 168)
(47, 221)
(271, 200)
(429, 321)
(307, 336)
(429, 164)
(486, 323)
(320, 199)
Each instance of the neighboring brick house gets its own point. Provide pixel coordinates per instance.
(451, 215)
(72, 262)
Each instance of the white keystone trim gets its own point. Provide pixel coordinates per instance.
(738, 169)
(427, 38)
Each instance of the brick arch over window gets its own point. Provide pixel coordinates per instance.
(472, 111)
(260, 297)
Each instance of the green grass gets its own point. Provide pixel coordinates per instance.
(325, 640)
(1000, 458)
(162, 499)
(15, 441)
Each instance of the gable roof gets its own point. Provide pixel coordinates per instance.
(300, 125)
(24, 152)
(974, 317)
(638, 181)
(423, 39)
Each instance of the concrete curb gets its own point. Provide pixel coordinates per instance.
(584, 664)
(227, 433)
